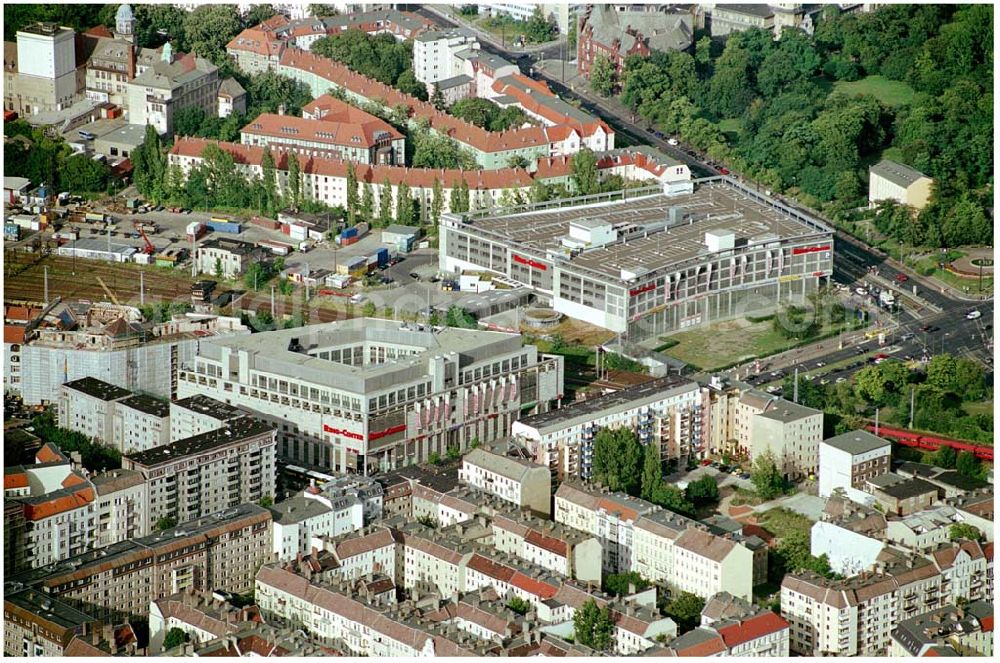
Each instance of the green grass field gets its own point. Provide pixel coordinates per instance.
(731, 125)
(891, 93)
(984, 407)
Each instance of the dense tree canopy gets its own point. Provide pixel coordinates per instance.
(488, 115)
(617, 460)
(799, 131)
(377, 56)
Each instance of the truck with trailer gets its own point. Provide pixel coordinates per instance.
(223, 225)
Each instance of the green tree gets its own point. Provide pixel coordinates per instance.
(519, 605)
(945, 457)
(438, 99)
(602, 76)
(265, 501)
(149, 164)
(879, 383)
(189, 121)
(968, 465)
(80, 173)
(258, 14)
(538, 28)
(617, 460)
(269, 91)
(703, 491)
(459, 317)
(404, 205)
(624, 584)
(584, 172)
(367, 202)
(434, 458)
(208, 28)
(437, 202)
(174, 638)
(964, 531)
(165, 523)
(685, 609)
(270, 179)
(652, 471)
(368, 310)
(352, 194)
(767, 479)
(592, 626)
(385, 204)
(218, 268)
(294, 180)
(672, 498)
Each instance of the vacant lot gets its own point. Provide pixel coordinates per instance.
(891, 93)
(782, 522)
(726, 343)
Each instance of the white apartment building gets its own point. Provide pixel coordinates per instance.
(207, 473)
(522, 483)
(668, 412)
(855, 617)
(377, 550)
(654, 536)
(299, 518)
(445, 509)
(552, 546)
(332, 616)
(925, 530)
(434, 563)
(367, 394)
(199, 414)
(848, 461)
(120, 507)
(434, 54)
(140, 422)
(792, 433)
(88, 406)
(611, 517)
(169, 85)
(850, 546)
(705, 564)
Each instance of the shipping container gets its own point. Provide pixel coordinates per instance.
(277, 248)
(94, 216)
(362, 229)
(349, 232)
(263, 222)
(297, 231)
(382, 256)
(223, 226)
(195, 230)
(11, 231)
(372, 260)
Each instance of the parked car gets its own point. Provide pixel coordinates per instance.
(672, 141)
(724, 171)
(972, 315)
(414, 276)
(902, 278)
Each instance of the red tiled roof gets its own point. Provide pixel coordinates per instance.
(752, 628)
(75, 500)
(542, 590)
(625, 513)
(442, 123)
(261, 42)
(49, 453)
(413, 177)
(14, 333)
(987, 624)
(72, 479)
(20, 313)
(491, 569)
(15, 479)
(331, 132)
(708, 647)
(99, 31)
(550, 543)
(988, 551)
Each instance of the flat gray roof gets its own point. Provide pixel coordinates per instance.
(620, 400)
(857, 442)
(896, 172)
(271, 352)
(786, 411)
(714, 205)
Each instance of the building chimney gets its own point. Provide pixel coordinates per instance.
(281, 109)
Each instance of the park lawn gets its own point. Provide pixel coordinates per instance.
(891, 93)
(954, 280)
(780, 522)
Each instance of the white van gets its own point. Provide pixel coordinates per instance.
(358, 298)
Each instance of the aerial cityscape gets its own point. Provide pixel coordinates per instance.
(498, 329)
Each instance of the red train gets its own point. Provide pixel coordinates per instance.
(927, 442)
